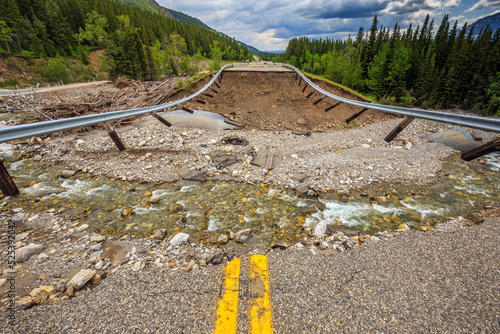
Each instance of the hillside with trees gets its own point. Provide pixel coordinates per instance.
(54, 36)
(453, 68)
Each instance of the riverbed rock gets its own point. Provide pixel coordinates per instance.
(24, 303)
(192, 174)
(127, 212)
(234, 140)
(82, 228)
(97, 238)
(222, 160)
(216, 258)
(81, 278)
(179, 239)
(24, 253)
(320, 229)
(160, 234)
(267, 161)
(154, 199)
(243, 235)
(302, 189)
(300, 177)
(67, 173)
(175, 208)
(222, 239)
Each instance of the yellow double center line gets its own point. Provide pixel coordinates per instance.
(259, 307)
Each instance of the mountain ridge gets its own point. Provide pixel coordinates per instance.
(492, 20)
(154, 6)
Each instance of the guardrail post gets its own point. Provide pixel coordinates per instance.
(217, 84)
(492, 146)
(7, 185)
(310, 94)
(397, 130)
(208, 95)
(304, 89)
(161, 119)
(213, 90)
(114, 136)
(356, 115)
(187, 110)
(300, 81)
(320, 99)
(331, 107)
(199, 101)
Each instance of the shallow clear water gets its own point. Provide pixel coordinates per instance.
(275, 215)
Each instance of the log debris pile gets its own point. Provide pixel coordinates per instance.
(73, 103)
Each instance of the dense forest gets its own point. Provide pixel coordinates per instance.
(453, 68)
(137, 43)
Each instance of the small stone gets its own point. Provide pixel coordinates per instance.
(41, 297)
(24, 253)
(222, 239)
(24, 303)
(154, 199)
(127, 212)
(138, 266)
(302, 189)
(194, 175)
(81, 278)
(42, 256)
(190, 266)
(67, 173)
(82, 228)
(403, 227)
(216, 258)
(302, 121)
(231, 235)
(99, 265)
(32, 183)
(160, 234)
(243, 235)
(320, 229)
(179, 239)
(2, 282)
(96, 279)
(382, 199)
(97, 238)
(299, 177)
(37, 157)
(299, 245)
(175, 208)
(70, 290)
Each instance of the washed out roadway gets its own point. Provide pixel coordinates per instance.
(416, 282)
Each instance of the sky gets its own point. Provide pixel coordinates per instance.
(268, 25)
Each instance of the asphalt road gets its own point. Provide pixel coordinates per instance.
(416, 282)
(8, 92)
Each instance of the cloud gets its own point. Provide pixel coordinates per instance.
(452, 3)
(269, 24)
(324, 9)
(484, 4)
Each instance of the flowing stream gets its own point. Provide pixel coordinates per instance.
(276, 215)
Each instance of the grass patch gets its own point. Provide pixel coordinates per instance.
(369, 98)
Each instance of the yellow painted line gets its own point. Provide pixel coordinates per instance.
(261, 321)
(227, 312)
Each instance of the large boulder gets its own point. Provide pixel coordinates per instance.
(24, 253)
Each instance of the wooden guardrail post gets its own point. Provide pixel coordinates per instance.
(114, 136)
(492, 146)
(356, 115)
(187, 110)
(7, 185)
(331, 107)
(397, 130)
(161, 119)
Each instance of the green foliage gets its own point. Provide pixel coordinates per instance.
(179, 84)
(494, 94)
(54, 71)
(216, 56)
(411, 68)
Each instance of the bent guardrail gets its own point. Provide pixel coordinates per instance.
(22, 131)
(475, 122)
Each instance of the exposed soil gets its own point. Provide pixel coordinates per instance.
(275, 101)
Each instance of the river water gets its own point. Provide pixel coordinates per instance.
(276, 215)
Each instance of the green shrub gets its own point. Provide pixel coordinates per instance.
(55, 70)
(179, 84)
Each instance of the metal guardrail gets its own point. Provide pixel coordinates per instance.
(15, 132)
(475, 122)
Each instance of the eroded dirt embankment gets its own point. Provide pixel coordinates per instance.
(275, 101)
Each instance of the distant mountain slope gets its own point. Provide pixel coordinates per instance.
(153, 6)
(493, 21)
